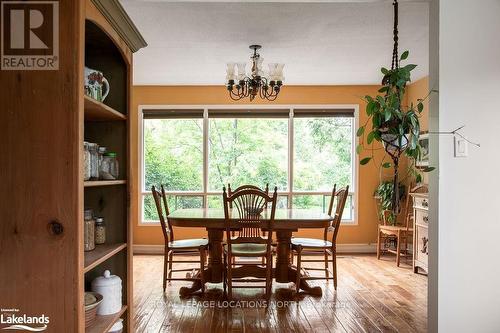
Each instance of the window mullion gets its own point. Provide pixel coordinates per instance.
(290, 158)
(205, 157)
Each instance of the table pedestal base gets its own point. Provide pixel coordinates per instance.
(284, 272)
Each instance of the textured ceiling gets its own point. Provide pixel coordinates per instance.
(335, 42)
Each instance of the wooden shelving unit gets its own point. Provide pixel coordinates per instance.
(110, 40)
(95, 183)
(100, 254)
(104, 323)
(97, 111)
(52, 107)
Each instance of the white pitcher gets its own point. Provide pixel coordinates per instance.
(89, 72)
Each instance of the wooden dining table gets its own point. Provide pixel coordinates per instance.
(286, 221)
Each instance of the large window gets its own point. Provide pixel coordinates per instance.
(195, 152)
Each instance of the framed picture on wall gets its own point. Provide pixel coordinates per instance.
(423, 140)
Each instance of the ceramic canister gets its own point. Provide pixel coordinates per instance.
(110, 287)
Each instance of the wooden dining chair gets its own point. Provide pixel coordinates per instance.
(248, 206)
(195, 246)
(246, 187)
(402, 232)
(325, 247)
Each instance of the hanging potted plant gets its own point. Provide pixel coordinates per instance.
(394, 125)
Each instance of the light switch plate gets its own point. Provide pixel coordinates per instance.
(461, 147)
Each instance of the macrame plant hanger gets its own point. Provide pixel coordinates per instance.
(395, 147)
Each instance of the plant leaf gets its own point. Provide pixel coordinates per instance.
(369, 108)
(386, 165)
(370, 137)
(365, 160)
(359, 149)
(420, 107)
(418, 178)
(360, 131)
(388, 115)
(383, 89)
(428, 169)
(404, 55)
(409, 68)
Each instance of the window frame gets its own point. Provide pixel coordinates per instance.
(354, 187)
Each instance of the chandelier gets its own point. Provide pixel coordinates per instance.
(267, 85)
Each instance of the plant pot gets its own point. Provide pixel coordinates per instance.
(394, 142)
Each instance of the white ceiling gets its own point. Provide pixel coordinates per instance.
(320, 42)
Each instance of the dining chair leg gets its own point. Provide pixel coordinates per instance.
(230, 279)
(202, 268)
(406, 244)
(170, 259)
(291, 257)
(224, 275)
(269, 277)
(398, 248)
(299, 259)
(165, 268)
(378, 244)
(334, 265)
(327, 274)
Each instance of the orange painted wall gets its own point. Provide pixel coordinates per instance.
(420, 89)
(362, 233)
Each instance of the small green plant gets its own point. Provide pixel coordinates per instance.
(384, 193)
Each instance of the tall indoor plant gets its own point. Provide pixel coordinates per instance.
(390, 122)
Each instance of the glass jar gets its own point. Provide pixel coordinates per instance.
(100, 230)
(86, 161)
(100, 153)
(109, 167)
(94, 161)
(88, 230)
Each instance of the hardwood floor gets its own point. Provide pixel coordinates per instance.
(372, 296)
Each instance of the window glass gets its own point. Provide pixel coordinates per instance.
(174, 202)
(322, 153)
(248, 151)
(173, 154)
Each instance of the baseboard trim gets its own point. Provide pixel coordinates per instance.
(341, 248)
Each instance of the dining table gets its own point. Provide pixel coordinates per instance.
(286, 221)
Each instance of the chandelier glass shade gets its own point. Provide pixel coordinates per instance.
(258, 82)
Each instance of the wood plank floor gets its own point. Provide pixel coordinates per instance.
(372, 296)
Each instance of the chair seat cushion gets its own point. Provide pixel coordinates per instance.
(247, 249)
(188, 243)
(394, 228)
(311, 242)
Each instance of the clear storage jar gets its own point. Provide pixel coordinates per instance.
(100, 230)
(109, 166)
(86, 161)
(94, 161)
(88, 230)
(100, 152)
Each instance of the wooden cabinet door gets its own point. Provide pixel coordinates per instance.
(41, 123)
